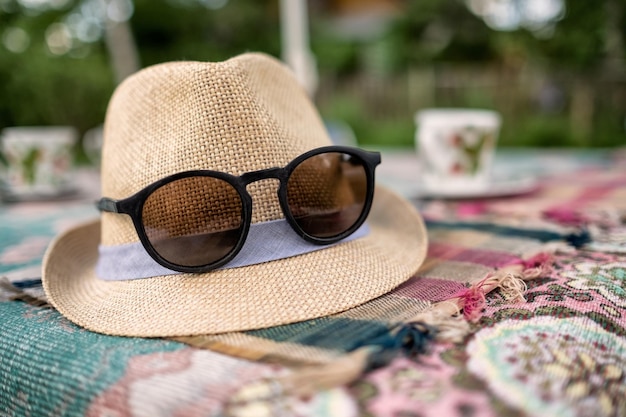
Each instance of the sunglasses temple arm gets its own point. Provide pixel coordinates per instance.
(107, 204)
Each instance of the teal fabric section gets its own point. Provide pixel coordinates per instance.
(541, 235)
(13, 233)
(576, 239)
(52, 367)
(18, 230)
(337, 333)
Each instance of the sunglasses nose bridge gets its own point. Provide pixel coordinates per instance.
(263, 174)
(262, 187)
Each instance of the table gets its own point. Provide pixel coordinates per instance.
(554, 346)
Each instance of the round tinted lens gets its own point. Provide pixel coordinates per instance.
(326, 193)
(193, 221)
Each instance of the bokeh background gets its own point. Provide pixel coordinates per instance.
(555, 69)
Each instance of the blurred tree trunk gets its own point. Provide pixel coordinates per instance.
(582, 109)
(296, 51)
(614, 61)
(584, 90)
(120, 44)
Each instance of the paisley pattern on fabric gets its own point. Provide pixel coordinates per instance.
(553, 366)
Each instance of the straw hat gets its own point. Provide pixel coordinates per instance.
(241, 115)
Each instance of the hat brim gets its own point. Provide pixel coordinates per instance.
(298, 288)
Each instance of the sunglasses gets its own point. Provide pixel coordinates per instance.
(196, 221)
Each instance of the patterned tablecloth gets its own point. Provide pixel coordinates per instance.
(552, 342)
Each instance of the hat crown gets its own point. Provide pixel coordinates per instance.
(236, 116)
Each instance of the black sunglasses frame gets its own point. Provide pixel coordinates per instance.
(133, 205)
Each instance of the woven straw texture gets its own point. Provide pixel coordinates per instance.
(241, 115)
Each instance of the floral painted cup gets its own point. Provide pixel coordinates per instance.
(36, 162)
(456, 147)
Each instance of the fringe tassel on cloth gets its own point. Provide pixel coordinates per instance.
(29, 291)
(446, 321)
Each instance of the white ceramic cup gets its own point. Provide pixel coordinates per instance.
(456, 147)
(37, 161)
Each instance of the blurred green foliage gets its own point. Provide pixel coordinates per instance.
(187, 30)
(39, 88)
(48, 90)
(563, 84)
(375, 84)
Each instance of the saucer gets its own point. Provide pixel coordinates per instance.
(496, 187)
